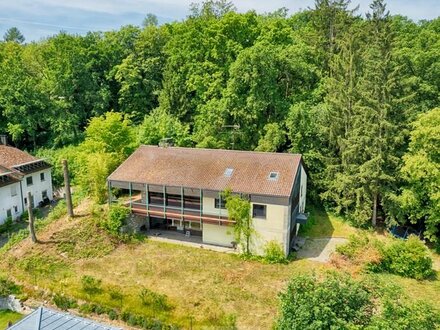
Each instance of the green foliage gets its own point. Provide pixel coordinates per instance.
(8, 287)
(110, 133)
(273, 138)
(408, 258)
(340, 302)
(91, 285)
(117, 217)
(6, 226)
(239, 210)
(153, 300)
(160, 125)
(13, 35)
(274, 254)
(339, 87)
(420, 198)
(335, 302)
(63, 302)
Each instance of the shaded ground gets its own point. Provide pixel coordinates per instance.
(320, 249)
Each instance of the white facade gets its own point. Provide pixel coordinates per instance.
(13, 197)
(10, 202)
(39, 184)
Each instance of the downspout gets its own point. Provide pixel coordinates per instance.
(22, 202)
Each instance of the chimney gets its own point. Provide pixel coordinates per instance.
(3, 140)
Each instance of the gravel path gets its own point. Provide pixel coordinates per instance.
(320, 249)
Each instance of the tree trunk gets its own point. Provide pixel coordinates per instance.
(374, 217)
(31, 219)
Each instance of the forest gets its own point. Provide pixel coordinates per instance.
(356, 93)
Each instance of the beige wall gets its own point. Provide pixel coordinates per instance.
(208, 207)
(273, 228)
(218, 235)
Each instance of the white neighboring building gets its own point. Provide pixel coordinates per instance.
(21, 173)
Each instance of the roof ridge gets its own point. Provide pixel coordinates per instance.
(226, 150)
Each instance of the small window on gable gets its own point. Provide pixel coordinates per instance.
(273, 176)
(29, 181)
(42, 178)
(228, 172)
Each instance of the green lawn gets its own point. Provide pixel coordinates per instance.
(204, 288)
(324, 224)
(6, 316)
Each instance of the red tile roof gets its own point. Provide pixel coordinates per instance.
(10, 156)
(205, 169)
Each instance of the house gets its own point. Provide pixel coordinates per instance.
(44, 318)
(181, 189)
(21, 173)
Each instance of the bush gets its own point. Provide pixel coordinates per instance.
(64, 302)
(398, 315)
(408, 258)
(335, 302)
(116, 219)
(91, 285)
(6, 226)
(8, 287)
(153, 299)
(274, 254)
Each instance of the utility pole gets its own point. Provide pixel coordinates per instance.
(67, 192)
(31, 218)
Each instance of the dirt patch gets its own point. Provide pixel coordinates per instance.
(320, 249)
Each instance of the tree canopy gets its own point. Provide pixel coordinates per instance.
(342, 88)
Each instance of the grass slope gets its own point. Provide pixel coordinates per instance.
(325, 224)
(202, 288)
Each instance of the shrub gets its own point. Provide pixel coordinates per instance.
(8, 287)
(64, 302)
(91, 285)
(399, 315)
(408, 258)
(116, 219)
(6, 226)
(335, 302)
(274, 254)
(356, 244)
(153, 299)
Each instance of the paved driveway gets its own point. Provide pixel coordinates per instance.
(319, 249)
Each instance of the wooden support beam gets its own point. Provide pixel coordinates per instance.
(31, 218)
(67, 189)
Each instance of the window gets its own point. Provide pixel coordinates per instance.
(273, 176)
(25, 201)
(44, 194)
(228, 172)
(15, 209)
(42, 178)
(192, 202)
(155, 198)
(174, 200)
(259, 211)
(9, 213)
(14, 190)
(219, 204)
(29, 181)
